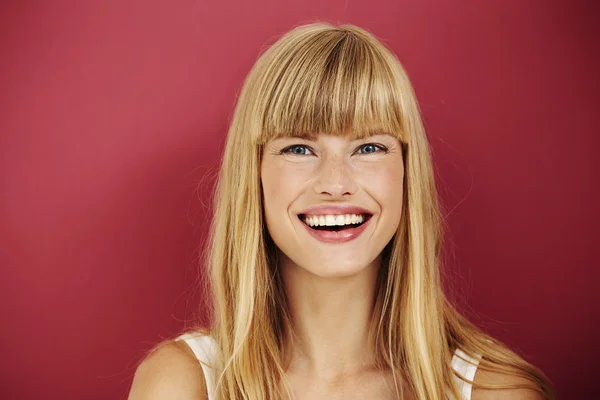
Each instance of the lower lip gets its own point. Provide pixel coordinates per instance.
(342, 236)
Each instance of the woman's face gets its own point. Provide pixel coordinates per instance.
(332, 203)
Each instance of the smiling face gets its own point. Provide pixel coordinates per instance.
(332, 203)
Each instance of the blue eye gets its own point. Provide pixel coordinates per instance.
(371, 148)
(298, 150)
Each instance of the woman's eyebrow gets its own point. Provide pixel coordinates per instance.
(313, 137)
(373, 134)
(303, 136)
(381, 133)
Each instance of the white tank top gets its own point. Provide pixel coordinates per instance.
(205, 349)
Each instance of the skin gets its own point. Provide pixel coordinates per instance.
(330, 286)
(328, 171)
(172, 372)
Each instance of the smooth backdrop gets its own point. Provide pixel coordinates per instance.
(112, 121)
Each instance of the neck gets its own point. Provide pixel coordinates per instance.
(330, 319)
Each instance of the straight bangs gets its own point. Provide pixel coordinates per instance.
(334, 82)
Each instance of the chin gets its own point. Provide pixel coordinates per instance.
(330, 269)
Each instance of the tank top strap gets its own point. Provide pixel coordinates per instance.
(466, 367)
(205, 349)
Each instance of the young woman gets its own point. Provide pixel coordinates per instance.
(325, 246)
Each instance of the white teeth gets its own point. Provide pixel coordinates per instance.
(334, 220)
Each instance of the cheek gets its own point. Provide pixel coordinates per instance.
(270, 188)
(385, 184)
(281, 185)
(275, 186)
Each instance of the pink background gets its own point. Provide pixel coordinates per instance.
(112, 112)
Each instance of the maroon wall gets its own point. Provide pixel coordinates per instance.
(111, 112)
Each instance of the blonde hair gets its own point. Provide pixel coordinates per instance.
(319, 78)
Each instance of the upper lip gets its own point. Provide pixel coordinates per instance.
(339, 209)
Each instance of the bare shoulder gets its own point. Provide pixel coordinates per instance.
(497, 378)
(171, 372)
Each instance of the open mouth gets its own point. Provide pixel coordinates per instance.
(334, 223)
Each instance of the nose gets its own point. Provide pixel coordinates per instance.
(334, 178)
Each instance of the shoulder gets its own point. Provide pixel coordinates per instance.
(497, 378)
(171, 371)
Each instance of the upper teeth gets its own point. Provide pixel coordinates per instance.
(332, 220)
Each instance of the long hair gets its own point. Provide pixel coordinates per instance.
(333, 80)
